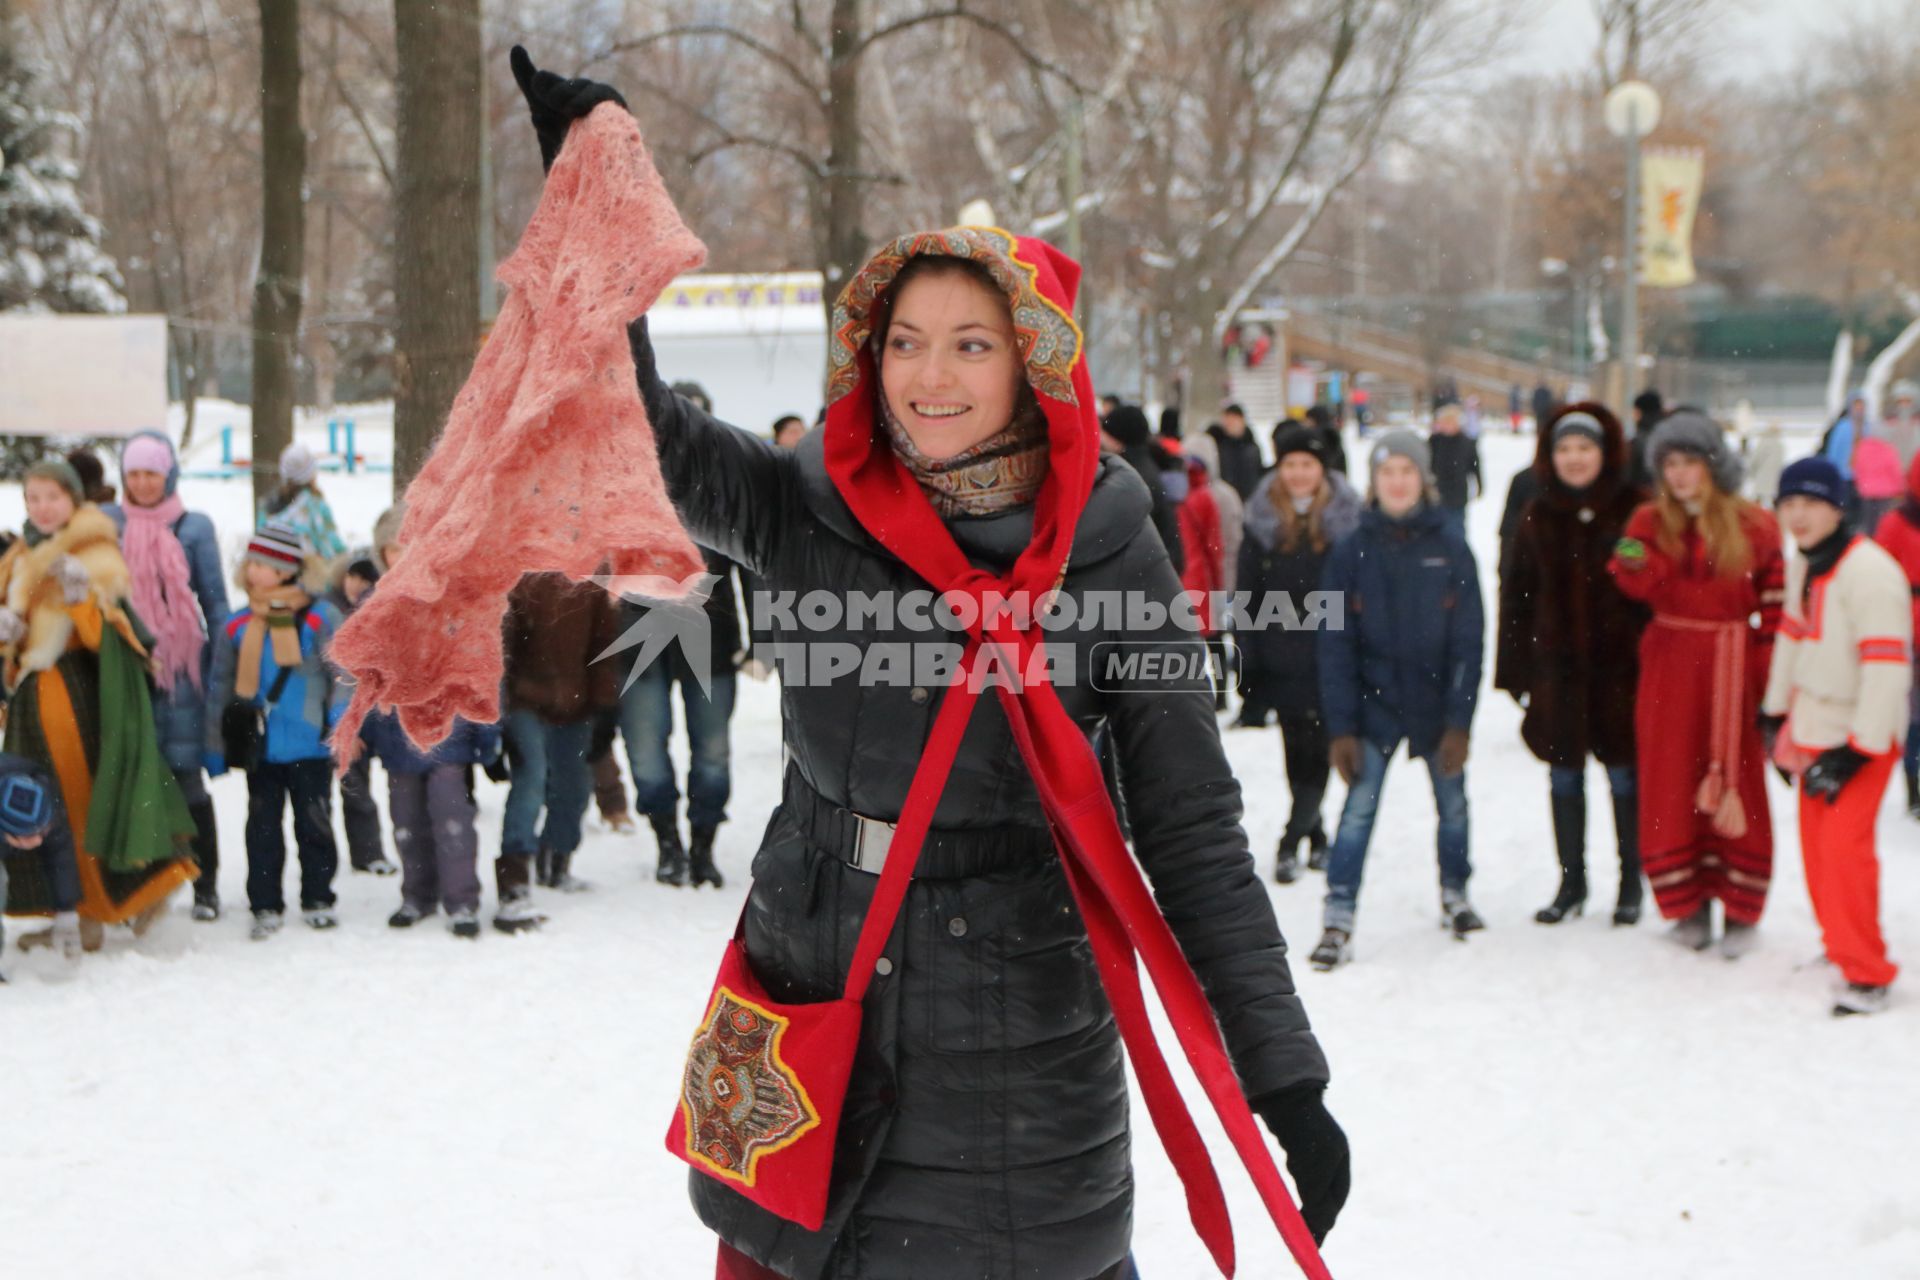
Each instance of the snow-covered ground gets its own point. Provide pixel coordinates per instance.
(1574, 1102)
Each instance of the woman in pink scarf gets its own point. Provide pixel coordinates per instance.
(173, 557)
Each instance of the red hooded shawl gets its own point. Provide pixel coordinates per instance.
(1121, 915)
(547, 461)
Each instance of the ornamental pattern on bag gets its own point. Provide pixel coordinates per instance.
(1048, 339)
(741, 1102)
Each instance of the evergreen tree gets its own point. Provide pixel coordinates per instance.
(50, 254)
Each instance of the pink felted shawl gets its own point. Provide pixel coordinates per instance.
(547, 461)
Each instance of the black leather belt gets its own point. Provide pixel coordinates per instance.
(863, 843)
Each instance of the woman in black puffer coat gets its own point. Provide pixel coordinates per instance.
(1293, 519)
(985, 1132)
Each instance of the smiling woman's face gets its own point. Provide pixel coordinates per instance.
(950, 369)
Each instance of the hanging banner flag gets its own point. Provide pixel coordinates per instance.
(1670, 182)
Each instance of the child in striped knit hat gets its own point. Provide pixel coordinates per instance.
(276, 689)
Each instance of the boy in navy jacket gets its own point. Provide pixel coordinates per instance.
(1404, 665)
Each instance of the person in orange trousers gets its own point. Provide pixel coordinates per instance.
(1834, 715)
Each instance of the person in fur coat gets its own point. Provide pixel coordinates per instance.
(1569, 642)
(76, 669)
(1708, 563)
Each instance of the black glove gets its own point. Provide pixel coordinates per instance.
(1317, 1153)
(1831, 770)
(555, 103)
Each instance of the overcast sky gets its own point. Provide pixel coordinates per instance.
(1759, 37)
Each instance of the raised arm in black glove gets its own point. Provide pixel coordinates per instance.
(1831, 770)
(1317, 1153)
(555, 103)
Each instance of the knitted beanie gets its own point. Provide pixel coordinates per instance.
(1573, 422)
(147, 453)
(279, 545)
(1400, 444)
(61, 472)
(1814, 478)
(297, 464)
(1297, 437)
(1693, 432)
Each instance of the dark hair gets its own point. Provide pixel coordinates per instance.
(1234, 409)
(93, 475)
(780, 423)
(940, 264)
(695, 392)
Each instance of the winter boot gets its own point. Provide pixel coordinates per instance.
(464, 923)
(1570, 843)
(1913, 795)
(513, 875)
(1457, 914)
(560, 874)
(1626, 824)
(700, 858)
(1317, 848)
(1857, 998)
(673, 858)
(1695, 933)
(543, 868)
(319, 916)
(206, 852)
(66, 936)
(408, 916)
(1286, 859)
(265, 925)
(1335, 949)
(1738, 939)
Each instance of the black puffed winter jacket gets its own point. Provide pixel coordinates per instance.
(986, 1128)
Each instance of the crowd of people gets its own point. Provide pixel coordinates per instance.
(1648, 619)
(131, 680)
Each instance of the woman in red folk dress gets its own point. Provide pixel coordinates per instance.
(1709, 564)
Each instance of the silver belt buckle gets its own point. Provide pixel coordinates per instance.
(871, 843)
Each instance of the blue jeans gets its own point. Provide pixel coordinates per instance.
(550, 771)
(1348, 857)
(646, 722)
(1573, 782)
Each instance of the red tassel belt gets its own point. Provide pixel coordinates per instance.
(1718, 792)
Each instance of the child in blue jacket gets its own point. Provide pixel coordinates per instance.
(1404, 665)
(271, 657)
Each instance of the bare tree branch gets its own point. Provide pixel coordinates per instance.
(1015, 41)
(814, 89)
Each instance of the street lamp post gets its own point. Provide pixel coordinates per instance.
(1632, 112)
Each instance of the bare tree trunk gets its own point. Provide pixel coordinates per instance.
(846, 243)
(277, 288)
(436, 219)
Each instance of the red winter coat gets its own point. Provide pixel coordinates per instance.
(1703, 666)
(1899, 533)
(1200, 535)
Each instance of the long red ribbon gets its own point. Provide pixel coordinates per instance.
(1122, 921)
